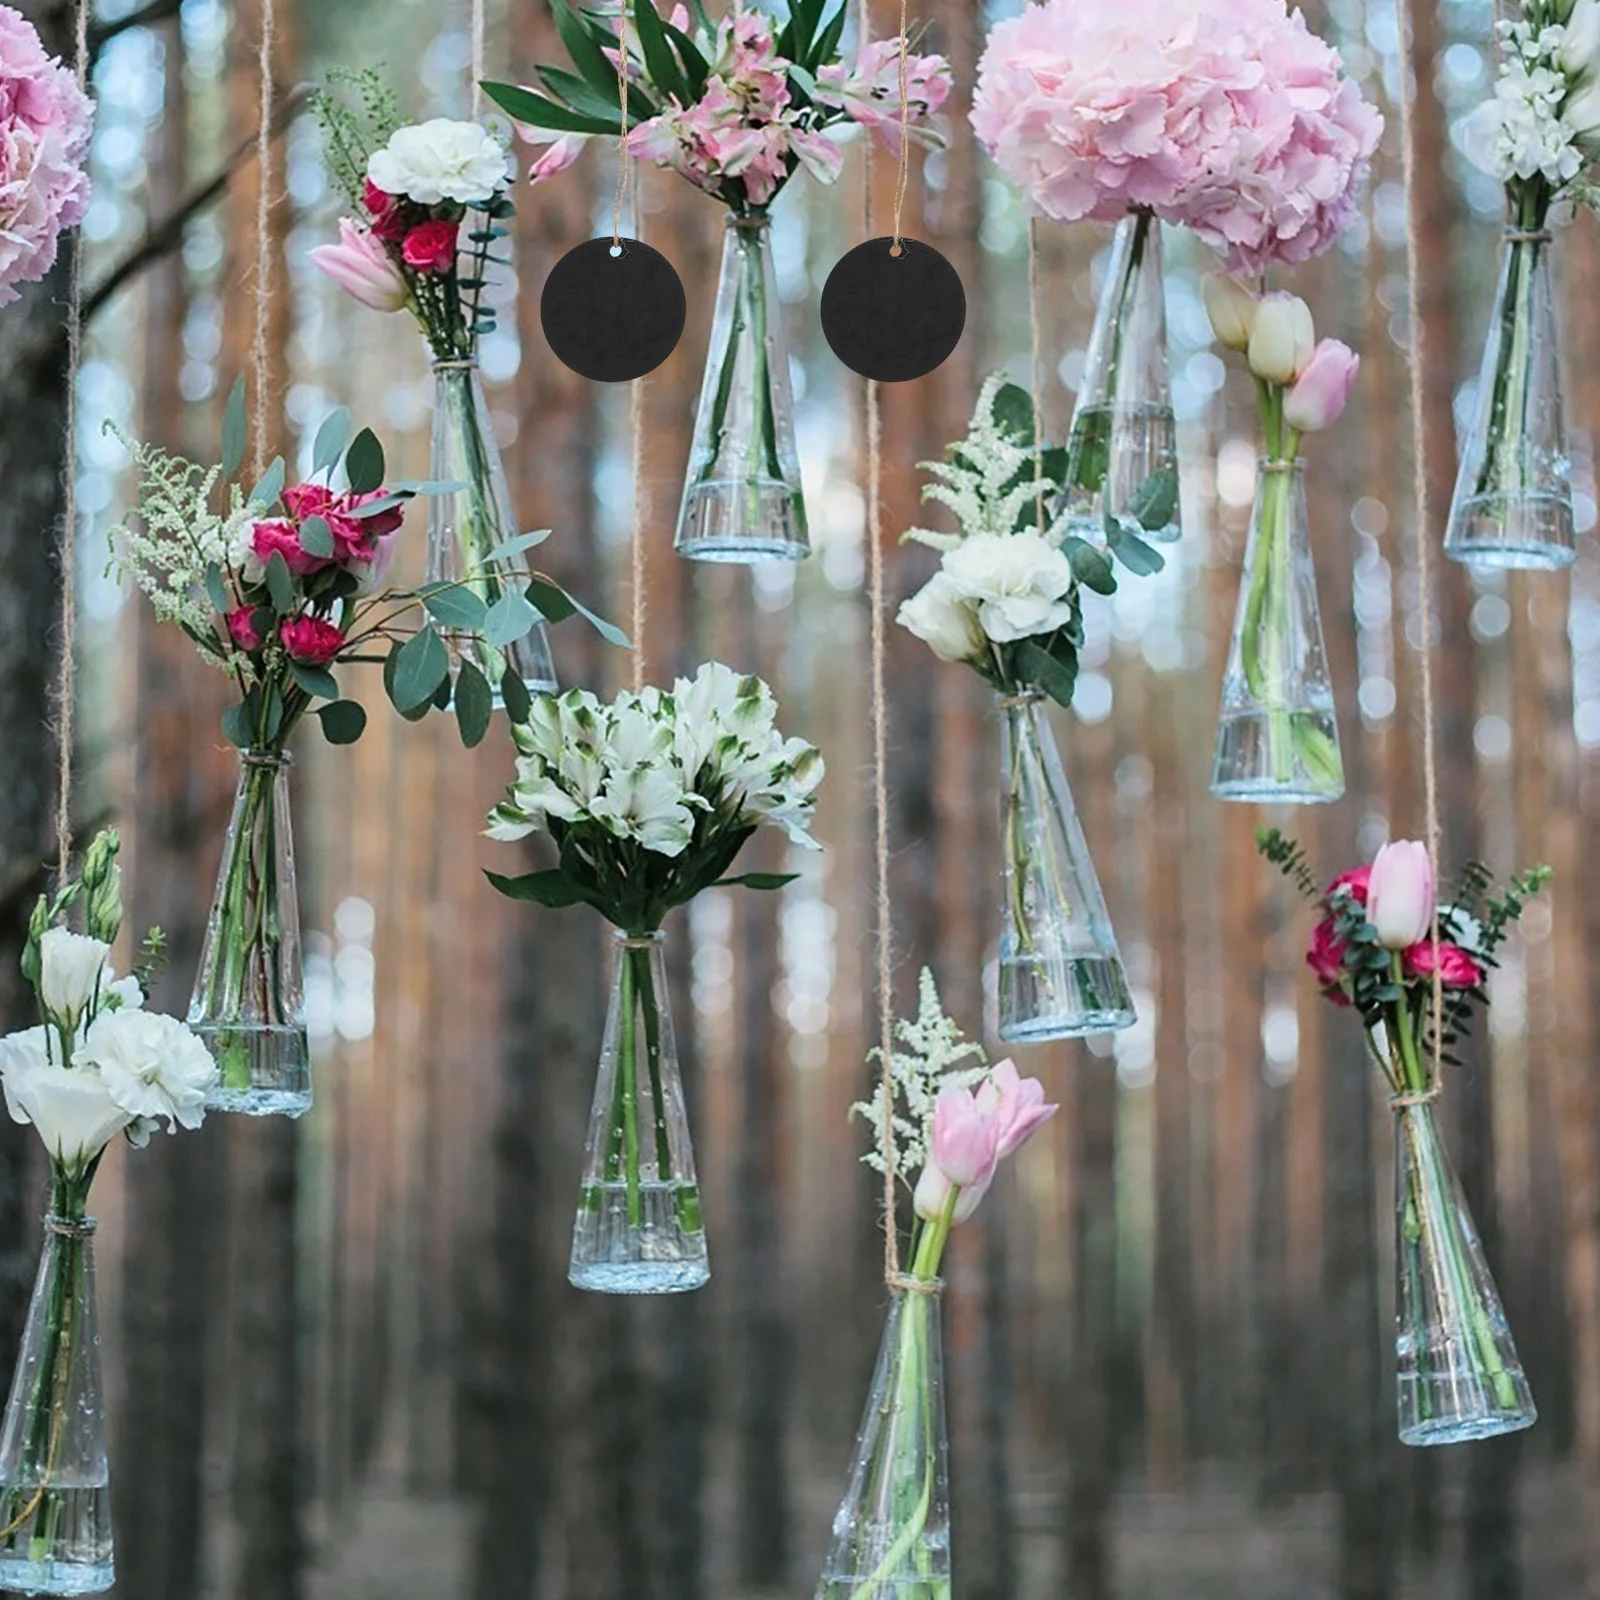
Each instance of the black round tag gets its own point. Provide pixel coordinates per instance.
(612, 317)
(893, 317)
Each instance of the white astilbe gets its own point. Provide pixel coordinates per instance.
(975, 480)
(175, 535)
(931, 1061)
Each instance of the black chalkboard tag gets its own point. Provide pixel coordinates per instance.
(893, 317)
(612, 310)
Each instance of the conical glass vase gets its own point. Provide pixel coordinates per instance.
(1460, 1376)
(467, 524)
(891, 1534)
(741, 498)
(1278, 735)
(1060, 971)
(1122, 453)
(55, 1479)
(1513, 498)
(639, 1229)
(249, 995)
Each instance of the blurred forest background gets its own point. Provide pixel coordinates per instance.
(343, 1356)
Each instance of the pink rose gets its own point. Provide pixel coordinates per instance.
(1326, 958)
(1457, 969)
(311, 640)
(431, 246)
(379, 525)
(283, 538)
(386, 211)
(242, 628)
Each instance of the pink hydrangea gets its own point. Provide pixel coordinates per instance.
(1229, 117)
(44, 137)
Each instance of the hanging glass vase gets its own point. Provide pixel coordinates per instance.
(1277, 735)
(249, 1001)
(741, 498)
(891, 1535)
(1122, 453)
(1459, 1373)
(55, 1479)
(1513, 498)
(465, 525)
(1060, 972)
(639, 1228)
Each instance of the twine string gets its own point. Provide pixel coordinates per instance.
(479, 29)
(1422, 511)
(1036, 376)
(641, 500)
(67, 535)
(624, 156)
(260, 368)
(902, 177)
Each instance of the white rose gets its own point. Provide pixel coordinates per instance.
(440, 160)
(1019, 582)
(941, 616)
(151, 1065)
(72, 968)
(70, 1106)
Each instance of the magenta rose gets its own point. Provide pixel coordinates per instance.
(311, 640)
(386, 213)
(1457, 969)
(242, 628)
(431, 246)
(283, 538)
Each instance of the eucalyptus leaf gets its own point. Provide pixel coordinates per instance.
(515, 546)
(363, 462)
(330, 441)
(457, 608)
(317, 681)
(279, 584)
(316, 538)
(514, 694)
(216, 590)
(343, 721)
(236, 727)
(510, 618)
(1058, 680)
(474, 704)
(1090, 566)
(420, 666)
(270, 486)
(1132, 551)
(233, 429)
(1156, 503)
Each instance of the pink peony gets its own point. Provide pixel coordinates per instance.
(278, 537)
(44, 139)
(242, 628)
(1457, 969)
(431, 246)
(311, 640)
(1227, 116)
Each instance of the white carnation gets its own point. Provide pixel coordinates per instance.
(1019, 582)
(431, 162)
(945, 620)
(151, 1065)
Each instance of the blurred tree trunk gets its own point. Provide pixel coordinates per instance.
(182, 792)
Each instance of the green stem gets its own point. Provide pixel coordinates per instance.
(627, 1075)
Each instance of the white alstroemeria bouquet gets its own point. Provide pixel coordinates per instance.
(1539, 134)
(96, 1066)
(648, 801)
(1007, 601)
(947, 1129)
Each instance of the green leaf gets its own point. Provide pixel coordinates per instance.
(216, 589)
(1090, 566)
(523, 105)
(556, 605)
(569, 89)
(549, 888)
(757, 880)
(363, 464)
(1013, 411)
(343, 721)
(658, 57)
(233, 429)
(316, 538)
(266, 492)
(330, 441)
(316, 681)
(510, 618)
(420, 666)
(507, 548)
(474, 704)
(514, 692)
(1132, 551)
(384, 502)
(1156, 503)
(279, 584)
(457, 608)
(584, 48)
(236, 727)
(695, 66)
(1057, 679)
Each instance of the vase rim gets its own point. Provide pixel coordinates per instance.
(265, 756)
(1511, 234)
(1030, 696)
(1275, 464)
(907, 1287)
(637, 941)
(70, 1227)
(743, 219)
(454, 364)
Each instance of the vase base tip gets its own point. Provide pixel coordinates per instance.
(1288, 758)
(55, 1577)
(1513, 532)
(260, 1102)
(743, 522)
(1464, 1430)
(639, 1277)
(1069, 997)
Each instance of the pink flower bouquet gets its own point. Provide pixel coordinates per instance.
(44, 140)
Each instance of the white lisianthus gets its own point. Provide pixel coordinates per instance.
(72, 971)
(1019, 582)
(151, 1065)
(944, 619)
(69, 1105)
(431, 162)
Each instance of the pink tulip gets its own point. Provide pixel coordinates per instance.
(360, 265)
(1400, 894)
(966, 1137)
(1019, 1106)
(1318, 398)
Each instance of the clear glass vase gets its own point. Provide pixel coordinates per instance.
(741, 498)
(1123, 448)
(891, 1534)
(639, 1229)
(55, 1478)
(1459, 1373)
(465, 525)
(1060, 971)
(249, 995)
(1513, 499)
(1277, 735)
